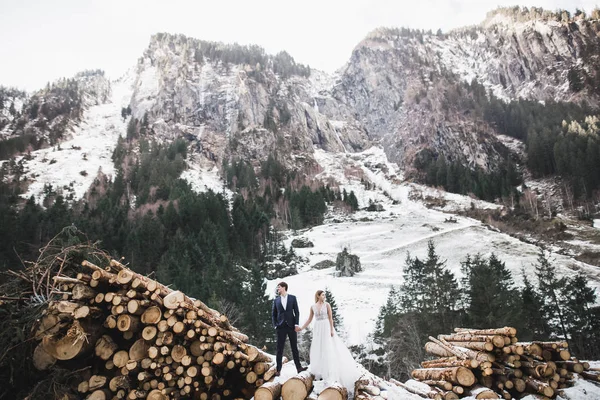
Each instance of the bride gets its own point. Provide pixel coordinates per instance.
(330, 360)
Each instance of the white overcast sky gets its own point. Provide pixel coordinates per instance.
(43, 40)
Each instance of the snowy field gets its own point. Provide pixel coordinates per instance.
(382, 240)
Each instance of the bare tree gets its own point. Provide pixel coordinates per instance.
(406, 348)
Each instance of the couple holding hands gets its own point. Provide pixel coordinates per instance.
(330, 359)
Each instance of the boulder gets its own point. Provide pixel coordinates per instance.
(347, 264)
(301, 243)
(324, 264)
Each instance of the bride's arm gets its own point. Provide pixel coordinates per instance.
(330, 315)
(310, 317)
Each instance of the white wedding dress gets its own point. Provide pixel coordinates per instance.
(330, 359)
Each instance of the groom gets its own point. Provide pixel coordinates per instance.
(286, 318)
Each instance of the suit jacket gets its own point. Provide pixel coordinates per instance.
(290, 316)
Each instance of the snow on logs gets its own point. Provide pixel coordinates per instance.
(140, 339)
(493, 364)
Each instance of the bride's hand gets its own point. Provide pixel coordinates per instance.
(332, 333)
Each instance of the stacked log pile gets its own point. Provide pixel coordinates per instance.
(139, 339)
(493, 364)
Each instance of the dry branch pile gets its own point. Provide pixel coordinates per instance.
(493, 364)
(140, 339)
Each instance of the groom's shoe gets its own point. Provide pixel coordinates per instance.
(277, 373)
(302, 369)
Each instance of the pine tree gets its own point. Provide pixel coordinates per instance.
(337, 318)
(489, 288)
(388, 315)
(550, 291)
(532, 323)
(430, 289)
(580, 321)
(257, 309)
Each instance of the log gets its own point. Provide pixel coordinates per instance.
(149, 332)
(83, 292)
(96, 382)
(100, 394)
(590, 376)
(431, 394)
(513, 349)
(297, 387)
(442, 350)
(479, 346)
(120, 358)
(539, 387)
(496, 340)
(136, 307)
(257, 355)
(571, 366)
(151, 316)
(105, 347)
(139, 350)
(553, 345)
(69, 346)
(119, 382)
(506, 331)
(83, 387)
(157, 394)
(268, 391)
(128, 323)
(178, 353)
(456, 375)
(445, 385)
(480, 392)
(450, 362)
(531, 348)
(42, 360)
(334, 392)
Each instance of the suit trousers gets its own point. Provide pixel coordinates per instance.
(283, 332)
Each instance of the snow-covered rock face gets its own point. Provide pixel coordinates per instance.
(396, 79)
(233, 108)
(520, 53)
(392, 90)
(234, 101)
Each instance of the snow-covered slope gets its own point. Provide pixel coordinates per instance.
(382, 240)
(71, 167)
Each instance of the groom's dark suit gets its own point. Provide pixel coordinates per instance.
(285, 321)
